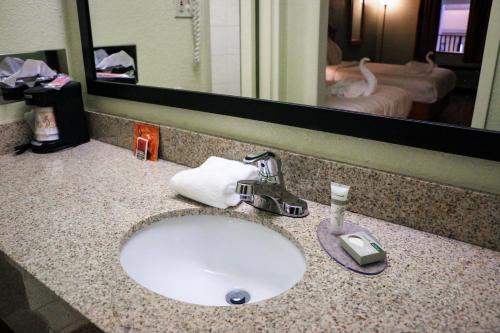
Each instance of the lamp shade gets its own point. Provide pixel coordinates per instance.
(388, 2)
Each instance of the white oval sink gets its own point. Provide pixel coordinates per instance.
(212, 260)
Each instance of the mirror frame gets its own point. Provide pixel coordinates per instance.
(452, 139)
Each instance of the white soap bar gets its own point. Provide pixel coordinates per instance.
(362, 248)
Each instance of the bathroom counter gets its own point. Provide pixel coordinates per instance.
(64, 217)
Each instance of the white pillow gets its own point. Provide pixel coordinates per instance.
(334, 53)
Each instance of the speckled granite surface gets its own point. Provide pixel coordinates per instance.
(462, 214)
(64, 216)
(13, 134)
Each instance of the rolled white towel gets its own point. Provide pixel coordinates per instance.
(420, 68)
(214, 182)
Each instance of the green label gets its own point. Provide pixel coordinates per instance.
(377, 247)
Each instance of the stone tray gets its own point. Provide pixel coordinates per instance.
(331, 244)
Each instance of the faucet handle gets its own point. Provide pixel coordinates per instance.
(258, 156)
(269, 166)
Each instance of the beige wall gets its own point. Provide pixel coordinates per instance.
(28, 26)
(302, 59)
(400, 31)
(31, 25)
(338, 19)
(493, 44)
(248, 37)
(164, 43)
(291, 57)
(272, 17)
(12, 112)
(493, 120)
(487, 108)
(445, 168)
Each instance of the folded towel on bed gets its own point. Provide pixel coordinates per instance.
(214, 182)
(356, 88)
(420, 68)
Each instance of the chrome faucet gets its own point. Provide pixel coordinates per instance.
(269, 192)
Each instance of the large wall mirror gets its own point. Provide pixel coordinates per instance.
(156, 44)
(365, 68)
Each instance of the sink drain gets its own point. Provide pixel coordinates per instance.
(237, 297)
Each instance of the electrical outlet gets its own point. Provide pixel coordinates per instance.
(183, 8)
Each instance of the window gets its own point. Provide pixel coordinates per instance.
(453, 26)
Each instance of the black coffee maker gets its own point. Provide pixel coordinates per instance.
(58, 119)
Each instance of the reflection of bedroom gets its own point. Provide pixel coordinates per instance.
(424, 57)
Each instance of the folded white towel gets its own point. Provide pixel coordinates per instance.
(356, 88)
(30, 68)
(214, 182)
(420, 68)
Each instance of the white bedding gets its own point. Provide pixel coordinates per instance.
(422, 88)
(387, 101)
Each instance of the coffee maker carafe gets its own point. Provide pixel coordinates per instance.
(57, 118)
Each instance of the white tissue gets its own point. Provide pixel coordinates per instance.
(117, 59)
(214, 182)
(30, 68)
(99, 55)
(10, 65)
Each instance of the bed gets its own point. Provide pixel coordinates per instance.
(386, 101)
(422, 88)
(429, 92)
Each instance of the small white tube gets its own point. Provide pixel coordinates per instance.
(340, 194)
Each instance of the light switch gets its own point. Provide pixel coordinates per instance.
(183, 8)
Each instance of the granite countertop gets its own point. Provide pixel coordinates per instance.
(64, 217)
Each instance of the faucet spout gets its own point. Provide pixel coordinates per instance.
(269, 192)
